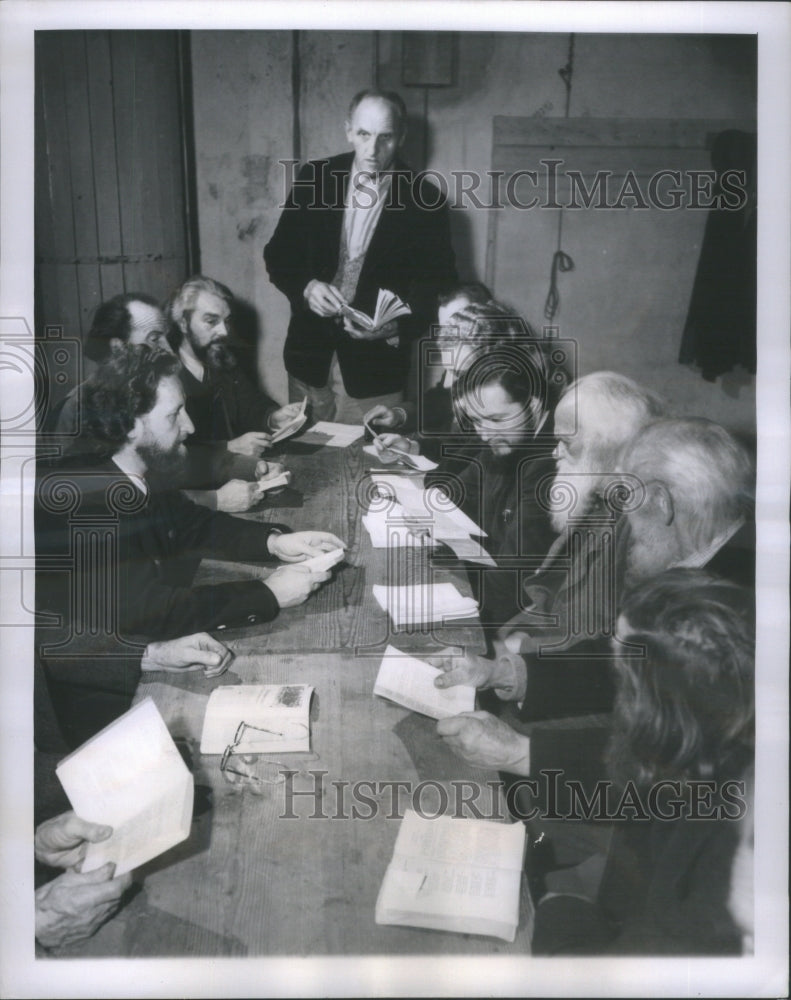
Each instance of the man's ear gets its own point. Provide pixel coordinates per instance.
(662, 500)
(136, 432)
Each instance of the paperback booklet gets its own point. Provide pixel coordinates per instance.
(277, 718)
(389, 306)
(410, 682)
(293, 425)
(130, 776)
(454, 874)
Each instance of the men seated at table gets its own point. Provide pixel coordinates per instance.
(684, 713)
(695, 513)
(569, 595)
(222, 403)
(135, 411)
(72, 906)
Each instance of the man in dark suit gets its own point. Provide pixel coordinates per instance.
(352, 225)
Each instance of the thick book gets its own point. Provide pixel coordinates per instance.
(277, 718)
(410, 682)
(130, 776)
(389, 306)
(454, 873)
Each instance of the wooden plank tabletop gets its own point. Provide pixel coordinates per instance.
(288, 868)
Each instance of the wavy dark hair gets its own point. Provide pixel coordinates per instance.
(688, 705)
(121, 390)
(113, 320)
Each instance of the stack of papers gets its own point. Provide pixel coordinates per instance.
(410, 682)
(454, 874)
(419, 462)
(423, 604)
(277, 716)
(388, 528)
(333, 435)
(130, 776)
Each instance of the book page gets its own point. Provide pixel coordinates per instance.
(130, 776)
(410, 682)
(278, 714)
(416, 605)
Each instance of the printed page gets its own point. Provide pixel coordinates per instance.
(279, 714)
(131, 776)
(417, 605)
(410, 682)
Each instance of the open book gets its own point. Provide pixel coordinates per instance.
(277, 717)
(131, 777)
(410, 682)
(293, 425)
(388, 307)
(454, 874)
(422, 604)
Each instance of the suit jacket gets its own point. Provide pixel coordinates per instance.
(580, 680)
(149, 565)
(410, 254)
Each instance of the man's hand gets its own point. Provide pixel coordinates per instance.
(384, 442)
(284, 415)
(501, 673)
(357, 332)
(385, 416)
(73, 906)
(292, 585)
(237, 496)
(300, 545)
(323, 299)
(252, 444)
(267, 470)
(191, 652)
(485, 741)
(61, 842)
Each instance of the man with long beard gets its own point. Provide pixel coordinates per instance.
(224, 406)
(135, 411)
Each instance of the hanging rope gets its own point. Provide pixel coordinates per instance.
(561, 262)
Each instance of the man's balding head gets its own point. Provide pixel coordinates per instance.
(595, 418)
(697, 485)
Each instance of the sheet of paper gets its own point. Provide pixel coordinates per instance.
(130, 776)
(419, 462)
(387, 529)
(410, 682)
(279, 711)
(326, 560)
(332, 435)
(270, 484)
(470, 550)
(419, 605)
(448, 520)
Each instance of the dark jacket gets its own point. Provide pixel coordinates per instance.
(410, 254)
(224, 405)
(147, 549)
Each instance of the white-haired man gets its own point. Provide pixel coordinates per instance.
(693, 510)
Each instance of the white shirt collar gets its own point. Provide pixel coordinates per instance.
(136, 478)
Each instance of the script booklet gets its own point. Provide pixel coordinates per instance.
(453, 873)
(410, 682)
(277, 717)
(131, 777)
(389, 306)
(293, 425)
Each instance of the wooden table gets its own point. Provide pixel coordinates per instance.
(250, 881)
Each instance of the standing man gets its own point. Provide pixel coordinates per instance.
(352, 225)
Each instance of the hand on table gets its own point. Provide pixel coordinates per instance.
(357, 332)
(252, 443)
(299, 545)
(190, 652)
(61, 842)
(74, 905)
(485, 741)
(323, 299)
(237, 496)
(292, 585)
(384, 442)
(283, 416)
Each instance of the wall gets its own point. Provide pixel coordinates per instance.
(244, 124)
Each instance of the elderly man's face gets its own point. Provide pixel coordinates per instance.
(375, 134)
(208, 328)
(653, 541)
(578, 473)
(147, 325)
